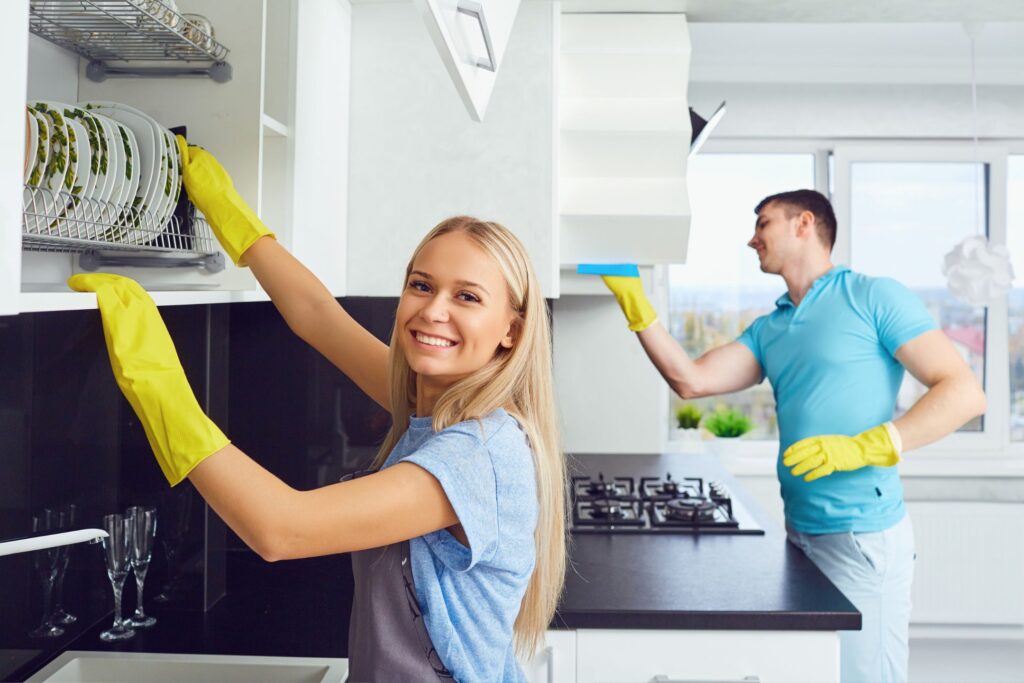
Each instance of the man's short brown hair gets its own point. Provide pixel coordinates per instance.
(807, 200)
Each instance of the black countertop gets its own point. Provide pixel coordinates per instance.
(694, 581)
(301, 608)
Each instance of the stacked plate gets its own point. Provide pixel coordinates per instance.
(105, 159)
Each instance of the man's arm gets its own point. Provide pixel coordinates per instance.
(954, 395)
(721, 370)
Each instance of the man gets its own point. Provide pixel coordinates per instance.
(834, 349)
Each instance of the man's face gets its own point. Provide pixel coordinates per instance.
(775, 237)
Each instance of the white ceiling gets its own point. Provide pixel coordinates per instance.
(804, 11)
(816, 11)
(922, 53)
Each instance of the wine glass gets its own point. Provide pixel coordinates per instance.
(143, 523)
(117, 555)
(45, 563)
(67, 519)
(175, 510)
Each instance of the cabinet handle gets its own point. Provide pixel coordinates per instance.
(666, 679)
(549, 654)
(476, 10)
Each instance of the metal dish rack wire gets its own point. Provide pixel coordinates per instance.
(114, 34)
(105, 233)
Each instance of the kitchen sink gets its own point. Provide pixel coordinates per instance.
(118, 667)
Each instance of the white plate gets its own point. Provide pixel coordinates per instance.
(172, 179)
(150, 160)
(40, 203)
(115, 169)
(32, 138)
(84, 180)
(97, 144)
(131, 198)
(42, 147)
(105, 179)
(31, 143)
(57, 164)
(79, 158)
(163, 206)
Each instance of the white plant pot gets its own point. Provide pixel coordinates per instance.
(689, 440)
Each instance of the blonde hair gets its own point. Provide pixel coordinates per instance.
(517, 379)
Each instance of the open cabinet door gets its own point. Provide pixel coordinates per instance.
(471, 36)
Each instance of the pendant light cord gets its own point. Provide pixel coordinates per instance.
(972, 31)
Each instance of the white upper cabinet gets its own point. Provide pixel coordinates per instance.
(624, 138)
(279, 125)
(471, 37)
(416, 158)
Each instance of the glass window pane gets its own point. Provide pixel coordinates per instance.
(721, 289)
(905, 217)
(1015, 241)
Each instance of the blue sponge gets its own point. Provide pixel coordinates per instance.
(621, 269)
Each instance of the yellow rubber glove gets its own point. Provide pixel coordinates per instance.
(629, 292)
(210, 188)
(822, 455)
(147, 369)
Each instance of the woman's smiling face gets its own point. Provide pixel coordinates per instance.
(454, 311)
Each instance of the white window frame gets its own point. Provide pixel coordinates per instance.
(996, 433)
(986, 453)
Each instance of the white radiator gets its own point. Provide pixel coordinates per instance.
(970, 563)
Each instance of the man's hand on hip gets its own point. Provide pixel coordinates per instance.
(820, 456)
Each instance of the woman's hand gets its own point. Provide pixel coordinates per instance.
(147, 369)
(210, 188)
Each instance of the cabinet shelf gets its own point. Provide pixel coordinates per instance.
(117, 35)
(105, 233)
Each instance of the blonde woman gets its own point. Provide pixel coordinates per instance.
(457, 533)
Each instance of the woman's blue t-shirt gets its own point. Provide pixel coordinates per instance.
(470, 597)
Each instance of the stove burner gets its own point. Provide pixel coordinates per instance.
(690, 509)
(601, 487)
(607, 509)
(669, 487)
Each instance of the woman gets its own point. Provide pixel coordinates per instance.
(458, 534)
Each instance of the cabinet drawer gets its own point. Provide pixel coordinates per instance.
(628, 656)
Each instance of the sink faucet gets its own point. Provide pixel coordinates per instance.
(43, 541)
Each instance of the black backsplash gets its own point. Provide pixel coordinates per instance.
(67, 436)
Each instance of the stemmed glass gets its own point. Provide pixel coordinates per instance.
(117, 554)
(176, 507)
(67, 519)
(45, 563)
(143, 524)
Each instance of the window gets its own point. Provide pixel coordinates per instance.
(721, 289)
(904, 218)
(1015, 242)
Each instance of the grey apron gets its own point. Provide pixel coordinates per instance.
(387, 639)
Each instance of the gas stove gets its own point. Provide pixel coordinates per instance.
(656, 505)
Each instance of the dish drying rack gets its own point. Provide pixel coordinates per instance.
(107, 234)
(125, 31)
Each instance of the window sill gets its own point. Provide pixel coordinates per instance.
(757, 459)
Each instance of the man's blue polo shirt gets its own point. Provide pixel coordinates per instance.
(831, 362)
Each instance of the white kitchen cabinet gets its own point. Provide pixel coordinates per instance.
(471, 37)
(417, 159)
(556, 660)
(638, 656)
(279, 126)
(624, 137)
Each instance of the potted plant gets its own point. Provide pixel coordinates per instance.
(726, 423)
(688, 418)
